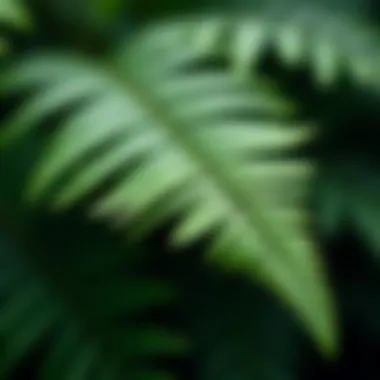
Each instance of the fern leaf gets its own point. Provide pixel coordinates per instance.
(328, 44)
(85, 311)
(205, 145)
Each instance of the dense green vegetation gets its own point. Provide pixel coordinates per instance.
(189, 190)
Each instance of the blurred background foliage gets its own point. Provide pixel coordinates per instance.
(173, 314)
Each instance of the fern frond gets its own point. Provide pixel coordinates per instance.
(328, 44)
(206, 145)
(85, 305)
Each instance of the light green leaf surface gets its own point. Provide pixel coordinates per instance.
(13, 12)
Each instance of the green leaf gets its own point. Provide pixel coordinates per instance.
(12, 12)
(205, 146)
(63, 298)
(340, 44)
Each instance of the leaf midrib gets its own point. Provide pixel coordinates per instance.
(211, 168)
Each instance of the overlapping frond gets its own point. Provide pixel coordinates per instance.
(348, 196)
(330, 44)
(86, 307)
(205, 146)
